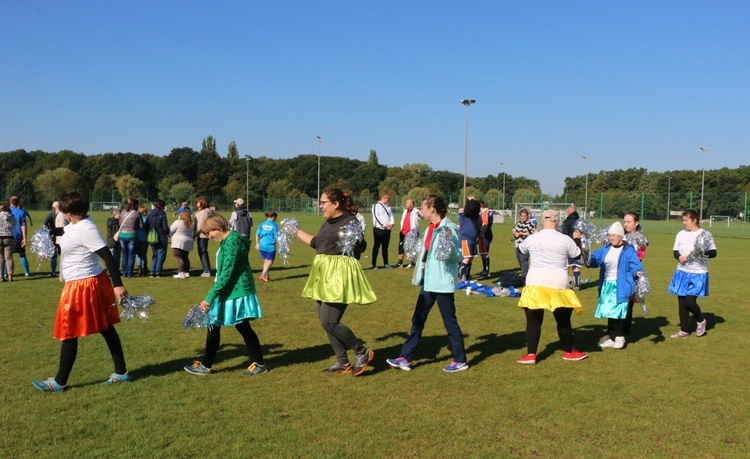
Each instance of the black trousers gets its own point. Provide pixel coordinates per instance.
(382, 238)
(69, 351)
(213, 340)
(534, 319)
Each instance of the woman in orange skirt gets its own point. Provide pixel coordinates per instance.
(88, 304)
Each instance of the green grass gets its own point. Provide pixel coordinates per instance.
(657, 398)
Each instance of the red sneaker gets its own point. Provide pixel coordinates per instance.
(574, 355)
(528, 359)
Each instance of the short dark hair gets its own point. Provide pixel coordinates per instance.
(271, 214)
(692, 215)
(74, 203)
(437, 203)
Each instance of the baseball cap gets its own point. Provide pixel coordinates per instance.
(551, 215)
(239, 201)
(56, 205)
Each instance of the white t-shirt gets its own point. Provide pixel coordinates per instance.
(611, 262)
(549, 251)
(684, 243)
(78, 244)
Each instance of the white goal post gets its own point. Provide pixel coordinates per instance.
(717, 219)
(106, 206)
(535, 210)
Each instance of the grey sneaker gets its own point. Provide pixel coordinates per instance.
(342, 368)
(680, 334)
(255, 369)
(362, 361)
(388, 267)
(700, 330)
(206, 275)
(607, 343)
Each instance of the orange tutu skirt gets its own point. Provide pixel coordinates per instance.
(87, 306)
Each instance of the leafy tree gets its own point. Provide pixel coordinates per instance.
(52, 184)
(207, 184)
(182, 191)
(279, 189)
(165, 185)
(233, 154)
(373, 159)
(418, 193)
(129, 186)
(494, 198)
(209, 146)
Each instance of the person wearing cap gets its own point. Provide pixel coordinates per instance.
(547, 287)
(241, 220)
(567, 228)
(619, 267)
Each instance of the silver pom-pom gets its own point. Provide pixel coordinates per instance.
(446, 244)
(589, 234)
(196, 318)
(42, 245)
(349, 236)
(637, 240)
(411, 245)
(136, 307)
(642, 288)
(703, 243)
(287, 230)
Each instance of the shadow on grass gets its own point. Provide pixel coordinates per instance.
(493, 344)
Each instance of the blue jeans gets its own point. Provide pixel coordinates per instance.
(203, 254)
(141, 251)
(159, 255)
(447, 307)
(128, 247)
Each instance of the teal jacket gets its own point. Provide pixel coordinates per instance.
(234, 279)
(438, 276)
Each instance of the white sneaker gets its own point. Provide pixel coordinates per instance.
(186, 275)
(205, 274)
(619, 342)
(700, 330)
(608, 343)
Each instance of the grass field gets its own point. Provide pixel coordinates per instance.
(658, 397)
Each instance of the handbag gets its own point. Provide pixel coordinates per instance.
(116, 236)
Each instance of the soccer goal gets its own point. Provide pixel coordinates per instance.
(718, 219)
(536, 208)
(98, 206)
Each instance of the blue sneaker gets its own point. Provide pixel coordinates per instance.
(255, 369)
(455, 366)
(115, 378)
(48, 385)
(197, 368)
(400, 363)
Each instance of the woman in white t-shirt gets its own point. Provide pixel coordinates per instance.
(88, 301)
(692, 249)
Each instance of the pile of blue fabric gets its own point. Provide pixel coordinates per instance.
(490, 292)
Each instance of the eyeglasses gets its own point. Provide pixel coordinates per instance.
(323, 202)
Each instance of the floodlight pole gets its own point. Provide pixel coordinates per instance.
(586, 198)
(504, 173)
(703, 179)
(669, 188)
(467, 103)
(247, 181)
(317, 208)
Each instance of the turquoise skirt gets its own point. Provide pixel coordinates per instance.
(338, 279)
(689, 284)
(608, 307)
(233, 312)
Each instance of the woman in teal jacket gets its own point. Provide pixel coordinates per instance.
(232, 300)
(620, 267)
(437, 277)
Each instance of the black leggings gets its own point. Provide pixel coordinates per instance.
(534, 319)
(381, 237)
(213, 339)
(687, 305)
(69, 350)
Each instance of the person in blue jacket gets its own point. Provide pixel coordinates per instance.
(619, 268)
(265, 242)
(437, 278)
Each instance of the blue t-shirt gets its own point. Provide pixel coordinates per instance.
(20, 221)
(267, 234)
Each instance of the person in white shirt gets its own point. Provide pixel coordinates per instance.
(547, 287)
(409, 221)
(382, 222)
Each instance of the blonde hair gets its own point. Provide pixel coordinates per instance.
(186, 218)
(215, 222)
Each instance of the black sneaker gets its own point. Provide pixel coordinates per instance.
(483, 275)
(362, 361)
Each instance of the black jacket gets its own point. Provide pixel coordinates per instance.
(568, 226)
(158, 219)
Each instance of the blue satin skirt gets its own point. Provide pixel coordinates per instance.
(689, 284)
(608, 307)
(232, 312)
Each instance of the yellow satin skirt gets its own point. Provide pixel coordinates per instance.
(536, 297)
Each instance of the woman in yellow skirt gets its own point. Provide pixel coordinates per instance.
(88, 302)
(547, 287)
(337, 280)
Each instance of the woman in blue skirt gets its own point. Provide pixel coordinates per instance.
(232, 300)
(692, 249)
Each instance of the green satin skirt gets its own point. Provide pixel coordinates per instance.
(338, 279)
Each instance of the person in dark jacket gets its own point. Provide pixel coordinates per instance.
(469, 222)
(113, 225)
(241, 220)
(157, 220)
(568, 227)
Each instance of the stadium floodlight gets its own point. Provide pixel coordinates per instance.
(467, 103)
(703, 178)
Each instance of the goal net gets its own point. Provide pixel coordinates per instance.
(98, 206)
(535, 210)
(719, 220)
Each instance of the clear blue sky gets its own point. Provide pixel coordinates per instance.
(631, 84)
